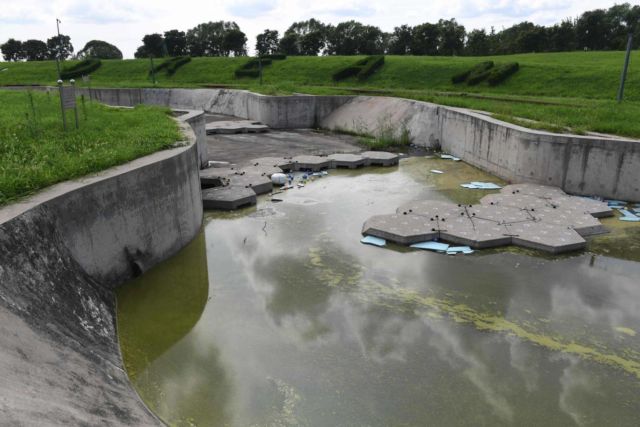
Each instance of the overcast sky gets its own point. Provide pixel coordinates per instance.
(125, 22)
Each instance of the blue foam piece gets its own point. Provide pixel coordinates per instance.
(431, 246)
(453, 250)
(636, 211)
(628, 216)
(375, 241)
(477, 185)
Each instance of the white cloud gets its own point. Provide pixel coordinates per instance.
(124, 22)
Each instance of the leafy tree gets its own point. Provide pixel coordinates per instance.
(478, 43)
(176, 42)
(310, 36)
(12, 50)
(451, 37)
(400, 40)
(425, 39)
(59, 47)
(234, 42)
(207, 39)
(591, 30)
(267, 42)
(153, 45)
(35, 50)
(289, 44)
(99, 49)
(562, 37)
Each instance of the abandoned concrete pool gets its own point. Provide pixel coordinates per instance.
(272, 312)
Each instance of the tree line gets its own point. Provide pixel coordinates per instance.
(599, 29)
(56, 47)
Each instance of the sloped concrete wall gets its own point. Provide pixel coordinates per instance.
(61, 254)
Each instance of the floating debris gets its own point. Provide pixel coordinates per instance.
(454, 250)
(628, 216)
(449, 157)
(375, 241)
(431, 246)
(435, 171)
(477, 185)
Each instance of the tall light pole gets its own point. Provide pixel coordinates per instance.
(58, 46)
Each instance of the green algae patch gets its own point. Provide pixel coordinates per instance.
(160, 307)
(622, 241)
(626, 331)
(409, 301)
(448, 182)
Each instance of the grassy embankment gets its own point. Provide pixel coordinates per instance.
(37, 153)
(572, 91)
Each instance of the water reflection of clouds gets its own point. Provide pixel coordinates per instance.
(296, 308)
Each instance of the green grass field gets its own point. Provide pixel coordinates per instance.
(36, 154)
(567, 91)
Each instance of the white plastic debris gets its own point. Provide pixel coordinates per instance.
(279, 179)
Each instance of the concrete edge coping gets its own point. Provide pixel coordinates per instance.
(13, 210)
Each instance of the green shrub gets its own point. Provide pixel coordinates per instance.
(362, 68)
(374, 63)
(501, 73)
(82, 68)
(346, 72)
(476, 71)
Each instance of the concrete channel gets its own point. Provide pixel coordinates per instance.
(64, 250)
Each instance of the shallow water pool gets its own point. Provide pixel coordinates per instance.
(277, 315)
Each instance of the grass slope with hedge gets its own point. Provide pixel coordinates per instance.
(37, 153)
(573, 90)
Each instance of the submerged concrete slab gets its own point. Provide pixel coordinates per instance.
(347, 160)
(538, 217)
(228, 198)
(272, 164)
(380, 158)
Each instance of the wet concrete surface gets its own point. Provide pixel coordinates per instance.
(240, 148)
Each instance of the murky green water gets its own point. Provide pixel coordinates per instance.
(297, 323)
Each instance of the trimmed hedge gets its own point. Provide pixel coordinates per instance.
(171, 65)
(371, 67)
(477, 69)
(501, 73)
(251, 68)
(82, 68)
(363, 68)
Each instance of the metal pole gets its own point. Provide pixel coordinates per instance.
(623, 77)
(58, 55)
(75, 104)
(153, 70)
(64, 118)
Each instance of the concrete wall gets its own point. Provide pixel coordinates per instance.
(583, 165)
(61, 254)
(280, 112)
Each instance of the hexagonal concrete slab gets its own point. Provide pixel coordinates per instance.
(228, 198)
(380, 158)
(349, 161)
(527, 215)
(403, 229)
(311, 163)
